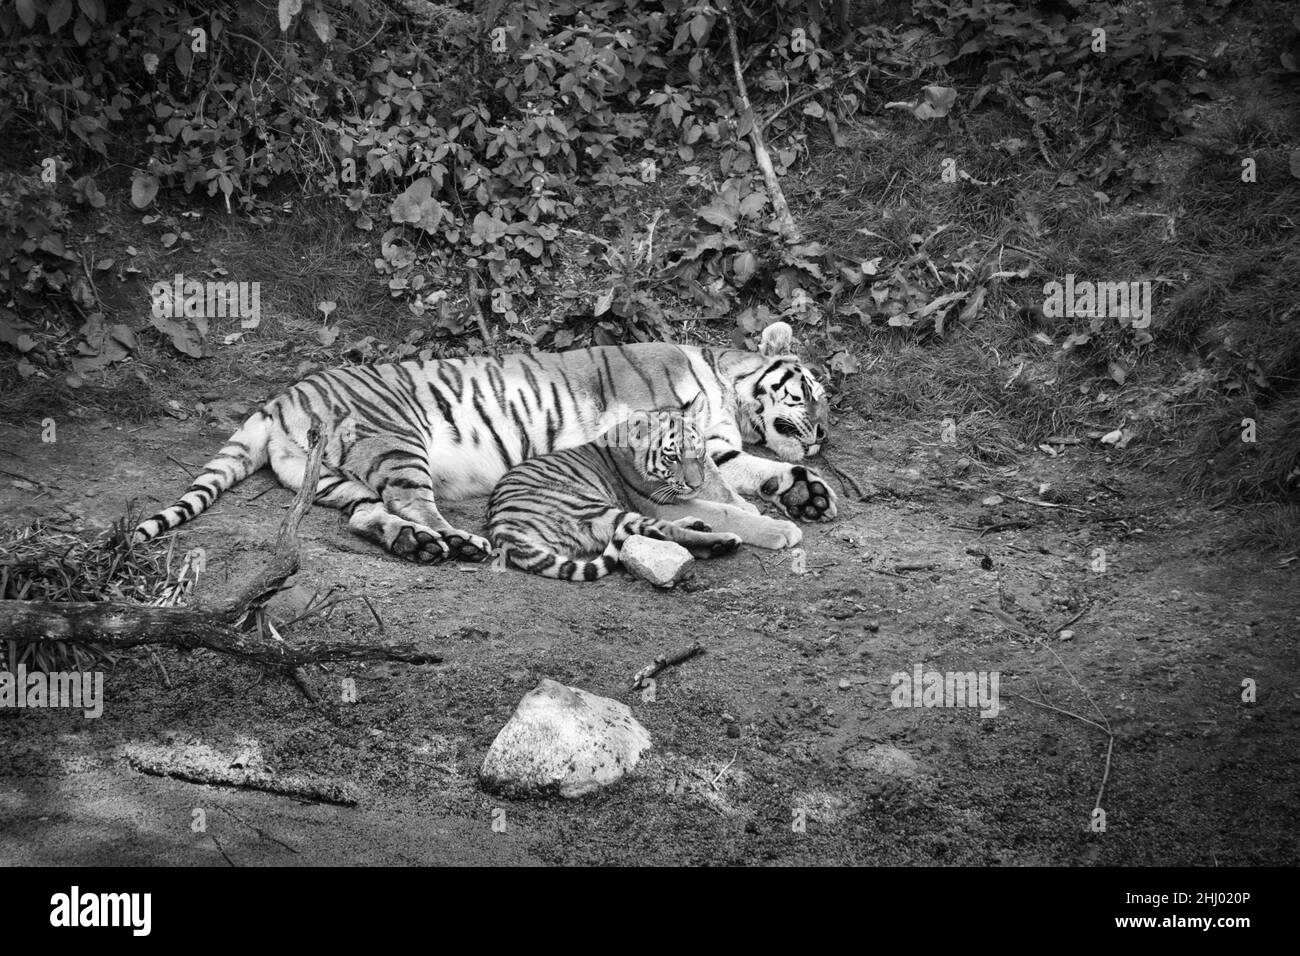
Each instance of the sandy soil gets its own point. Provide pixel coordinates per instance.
(786, 717)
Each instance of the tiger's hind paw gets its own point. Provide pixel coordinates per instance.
(463, 546)
(421, 545)
(427, 546)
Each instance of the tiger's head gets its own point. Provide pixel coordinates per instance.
(782, 405)
(668, 450)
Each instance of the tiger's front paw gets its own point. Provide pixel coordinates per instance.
(802, 493)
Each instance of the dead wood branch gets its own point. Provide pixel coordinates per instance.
(113, 625)
(784, 220)
(195, 765)
(664, 661)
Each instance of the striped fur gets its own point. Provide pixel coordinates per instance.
(551, 515)
(400, 435)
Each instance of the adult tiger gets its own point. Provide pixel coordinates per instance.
(399, 435)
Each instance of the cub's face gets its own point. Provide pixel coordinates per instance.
(670, 450)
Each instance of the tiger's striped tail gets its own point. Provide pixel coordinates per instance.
(551, 564)
(244, 452)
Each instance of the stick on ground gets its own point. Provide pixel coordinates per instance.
(113, 625)
(664, 661)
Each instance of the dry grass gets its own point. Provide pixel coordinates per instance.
(45, 563)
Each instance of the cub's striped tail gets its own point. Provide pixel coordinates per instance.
(246, 451)
(530, 557)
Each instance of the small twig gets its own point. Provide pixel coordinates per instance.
(1076, 617)
(326, 604)
(704, 778)
(664, 661)
(847, 482)
(1048, 504)
(885, 571)
(1061, 710)
(1009, 622)
(167, 681)
(818, 89)
(14, 474)
(94, 289)
(1102, 724)
(222, 851)
(714, 781)
(190, 469)
(379, 621)
(1005, 526)
(259, 831)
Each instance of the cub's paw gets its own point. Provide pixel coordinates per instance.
(692, 523)
(716, 546)
(802, 493)
(725, 544)
(774, 535)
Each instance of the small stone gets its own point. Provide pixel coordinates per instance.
(872, 625)
(992, 500)
(1066, 635)
(662, 563)
(727, 718)
(566, 740)
(845, 683)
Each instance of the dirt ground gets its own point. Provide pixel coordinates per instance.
(786, 717)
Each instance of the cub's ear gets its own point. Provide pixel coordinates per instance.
(697, 407)
(777, 339)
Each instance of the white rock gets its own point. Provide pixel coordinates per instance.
(562, 739)
(662, 563)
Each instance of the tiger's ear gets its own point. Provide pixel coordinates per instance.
(777, 339)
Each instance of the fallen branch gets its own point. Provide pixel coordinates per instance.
(117, 626)
(785, 221)
(195, 765)
(662, 662)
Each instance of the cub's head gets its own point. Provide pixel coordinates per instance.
(781, 403)
(667, 450)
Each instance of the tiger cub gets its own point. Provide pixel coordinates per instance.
(552, 515)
